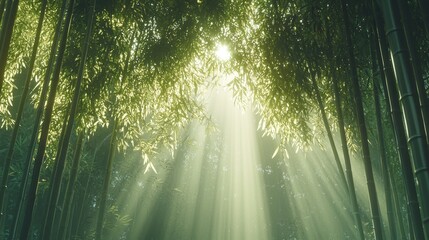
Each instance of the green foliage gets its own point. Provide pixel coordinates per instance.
(148, 63)
(151, 62)
(115, 219)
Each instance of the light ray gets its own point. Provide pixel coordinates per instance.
(243, 211)
(223, 184)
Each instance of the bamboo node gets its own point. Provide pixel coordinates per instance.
(420, 170)
(413, 137)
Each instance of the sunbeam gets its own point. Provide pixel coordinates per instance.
(214, 120)
(241, 199)
(215, 190)
(221, 183)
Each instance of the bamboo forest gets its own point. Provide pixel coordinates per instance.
(214, 119)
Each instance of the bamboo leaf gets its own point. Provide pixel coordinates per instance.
(275, 152)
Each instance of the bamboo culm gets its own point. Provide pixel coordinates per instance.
(64, 145)
(106, 183)
(36, 124)
(328, 130)
(103, 199)
(375, 211)
(389, 85)
(2, 5)
(45, 127)
(382, 150)
(54, 170)
(8, 23)
(88, 181)
(345, 149)
(424, 9)
(415, 64)
(9, 154)
(70, 188)
(407, 94)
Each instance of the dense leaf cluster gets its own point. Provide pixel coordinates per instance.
(149, 65)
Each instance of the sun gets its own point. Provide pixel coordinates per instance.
(222, 52)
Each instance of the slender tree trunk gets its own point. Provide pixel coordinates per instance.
(2, 5)
(81, 208)
(375, 211)
(416, 227)
(85, 193)
(4, 23)
(393, 184)
(347, 162)
(82, 203)
(328, 130)
(40, 108)
(6, 36)
(45, 127)
(70, 189)
(103, 199)
(8, 160)
(407, 95)
(382, 151)
(48, 207)
(384, 92)
(398, 210)
(424, 9)
(415, 64)
(106, 183)
(69, 225)
(398, 126)
(53, 200)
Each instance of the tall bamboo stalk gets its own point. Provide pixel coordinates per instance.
(106, 183)
(45, 127)
(6, 36)
(416, 64)
(37, 119)
(6, 6)
(54, 169)
(345, 149)
(407, 97)
(398, 209)
(328, 130)
(384, 93)
(424, 9)
(108, 173)
(6, 168)
(382, 150)
(88, 182)
(375, 211)
(2, 5)
(70, 189)
(388, 83)
(416, 227)
(53, 199)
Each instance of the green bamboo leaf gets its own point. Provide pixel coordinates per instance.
(275, 152)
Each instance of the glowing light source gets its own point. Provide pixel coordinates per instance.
(222, 52)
